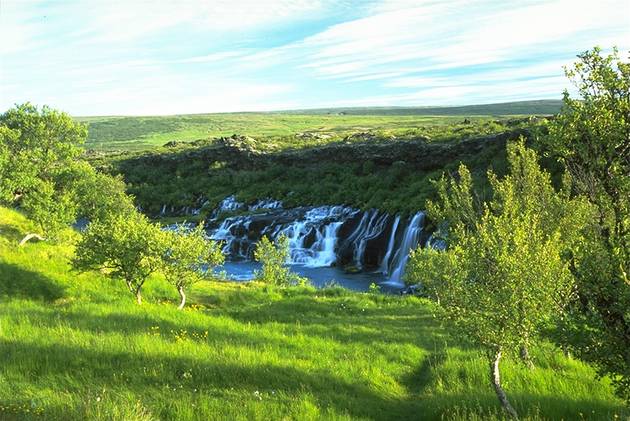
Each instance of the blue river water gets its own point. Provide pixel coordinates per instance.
(319, 276)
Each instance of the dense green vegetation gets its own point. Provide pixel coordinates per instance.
(138, 133)
(502, 278)
(75, 347)
(591, 138)
(366, 171)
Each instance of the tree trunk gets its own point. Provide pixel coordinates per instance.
(130, 286)
(566, 352)
(496, 382)
(138, 296)
(182, 295)
(29, 237)
(524, 352)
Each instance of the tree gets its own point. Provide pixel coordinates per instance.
(38, 146)
(503, 274)
(591, 137)
(128, 246)
(99, 195)
(274, 262)
(188, 258)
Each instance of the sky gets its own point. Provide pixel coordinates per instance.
(148, 57)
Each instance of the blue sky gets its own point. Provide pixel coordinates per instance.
(144, 57)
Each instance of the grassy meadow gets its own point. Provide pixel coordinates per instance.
(147, 132)
(76, 346)
(140, 133)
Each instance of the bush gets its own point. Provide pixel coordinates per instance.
(274, 259)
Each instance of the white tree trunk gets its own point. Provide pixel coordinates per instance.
(496, 382)
(138, 296)
(29, 237)
(182, 295)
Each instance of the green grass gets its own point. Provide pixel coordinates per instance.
(75, 347)
(139, 133)
(146, 132)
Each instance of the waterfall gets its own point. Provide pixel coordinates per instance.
(312, 240)
(409, 242)
(234, 245)
(390, 247)
(373, 229)
(324, 247)
(371, 225)
(266, 204)
(322, 236)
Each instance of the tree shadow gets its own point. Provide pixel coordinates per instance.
(107, 369)
(347, 321)
(11, 233)
(167, 330)
(422, 377)
(148, 375)
(16, 281)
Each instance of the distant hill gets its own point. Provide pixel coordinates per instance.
(537, 107)
(146, 132)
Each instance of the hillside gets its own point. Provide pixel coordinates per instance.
(365, 170)
(146, 132)
(75, 346)
(537, 107)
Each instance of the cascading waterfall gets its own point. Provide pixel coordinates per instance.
(390, 247)
(410, 241)
(322, 236)
(324, 247)
(373, 228)
(312, 240)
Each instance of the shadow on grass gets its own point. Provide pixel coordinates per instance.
(328, 321)
(146, 374)
(11, 233)
(149, 377)
(421, 378)
(16, 281)
(348, 320)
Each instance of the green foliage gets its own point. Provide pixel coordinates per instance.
(38, 147)
(273, 258)
(374, 288)
(52, 207)
(127, 246)
(591, 138)
(74, 347)
(100, 195)
(189, 257)
(503, 275)
(396, 177)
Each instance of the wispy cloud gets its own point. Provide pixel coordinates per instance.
(158, 56)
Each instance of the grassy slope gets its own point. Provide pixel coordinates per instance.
(139, 133)
(74, 346)
(144, 132)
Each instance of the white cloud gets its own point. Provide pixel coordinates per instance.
(122, 20)
(460, 33)
(167, 56)
(17, 29)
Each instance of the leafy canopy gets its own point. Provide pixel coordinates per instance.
(189, 256)
(503, 273)
(591, 137)
(129, 246)
(274, 259)
(39, 147)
